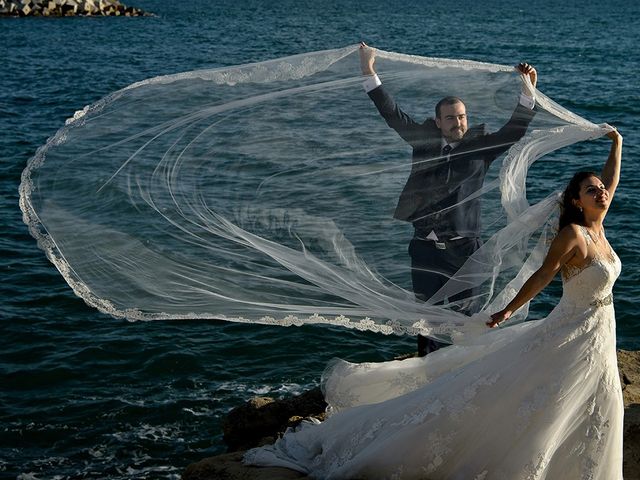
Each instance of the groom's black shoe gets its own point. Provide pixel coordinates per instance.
(427, 345)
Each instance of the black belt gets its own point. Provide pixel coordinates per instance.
(441, 243)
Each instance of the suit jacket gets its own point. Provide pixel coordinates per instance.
(436, 182)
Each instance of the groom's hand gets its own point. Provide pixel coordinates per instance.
(367, 59)
(528, 70)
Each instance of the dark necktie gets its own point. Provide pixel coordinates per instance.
(446, 150)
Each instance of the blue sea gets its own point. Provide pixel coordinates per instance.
(84, 395)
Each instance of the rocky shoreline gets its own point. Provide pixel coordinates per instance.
(67, 8)
(262, 419)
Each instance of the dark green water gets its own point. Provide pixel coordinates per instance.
(84, 395)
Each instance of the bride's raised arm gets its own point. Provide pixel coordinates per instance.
(611, 169)
(569, 241)
(562, 249)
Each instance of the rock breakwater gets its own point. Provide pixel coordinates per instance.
(67, 8)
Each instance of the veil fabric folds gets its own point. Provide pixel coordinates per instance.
(265, 193)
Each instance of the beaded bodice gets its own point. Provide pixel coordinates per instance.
(591, 283)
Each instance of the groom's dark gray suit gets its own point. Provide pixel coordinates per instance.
(438, 182)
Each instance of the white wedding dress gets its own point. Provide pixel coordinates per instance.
(539, 400)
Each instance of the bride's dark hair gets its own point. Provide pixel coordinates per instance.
(569, 213)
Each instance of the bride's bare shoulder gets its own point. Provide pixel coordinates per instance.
(571, 234)
(572, 237)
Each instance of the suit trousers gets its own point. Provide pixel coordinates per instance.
(431, 268)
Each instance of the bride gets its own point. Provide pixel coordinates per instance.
(538, 400)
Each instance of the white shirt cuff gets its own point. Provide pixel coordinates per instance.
(371, 82)
(527, 101)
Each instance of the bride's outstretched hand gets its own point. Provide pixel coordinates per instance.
(614, 135)
(498, 317)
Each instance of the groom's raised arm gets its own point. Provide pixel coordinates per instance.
(411, 131)
(512, 131)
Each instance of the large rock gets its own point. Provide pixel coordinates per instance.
(229, 467)
(629, 367)
(261, 419)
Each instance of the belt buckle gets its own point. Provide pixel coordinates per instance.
(441, 245)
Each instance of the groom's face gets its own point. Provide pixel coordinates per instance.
(452, 121)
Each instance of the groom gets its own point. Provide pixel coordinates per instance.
(449, 163)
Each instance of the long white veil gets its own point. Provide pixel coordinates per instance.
(265, 193)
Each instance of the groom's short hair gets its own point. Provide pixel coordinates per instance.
(447, 101)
